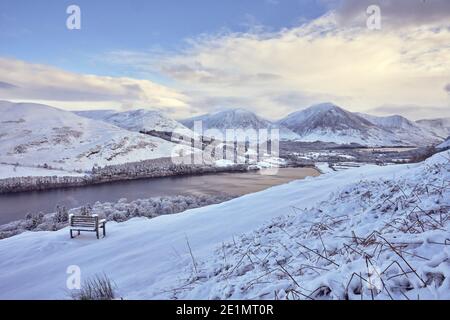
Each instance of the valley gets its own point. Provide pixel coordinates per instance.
(137, 169)
(101, 146)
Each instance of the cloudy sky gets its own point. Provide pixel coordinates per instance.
(191, 57)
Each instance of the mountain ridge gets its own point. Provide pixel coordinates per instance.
(238, 118)
(327, 122)
(40, 135)
(139, 120)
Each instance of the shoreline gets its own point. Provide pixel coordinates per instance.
(147, 169)
(58, 219)
(28, 184)
(55, 219)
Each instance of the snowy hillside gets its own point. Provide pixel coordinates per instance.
(323, 122)
(403, 129)
(439, 127)
(238, 119)
(232, 118)
(330, 123)
(141, 120)
(445, 144)
(378, 232)
(389, 122)
(37, 135)
(11, 171)
(374, 239)
(95, 114)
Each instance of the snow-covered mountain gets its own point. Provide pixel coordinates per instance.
(389, 122)
(238, 119)
(141, 120)
(229, 119)
(445, 144)
(327, 122)
(35, 134)
(95, 114)
(438, 127)
(330, 123)
(403, 129)
(323, 122)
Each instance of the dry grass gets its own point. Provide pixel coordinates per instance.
(100, 287)
(388, 265)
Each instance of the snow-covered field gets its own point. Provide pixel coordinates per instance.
(381, 231)
(11, 171)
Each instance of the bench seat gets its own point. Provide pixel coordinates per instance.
(86, 223)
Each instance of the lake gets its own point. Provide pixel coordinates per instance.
(15, 206)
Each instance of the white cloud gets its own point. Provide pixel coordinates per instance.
(272, 73)
(275, 73)
(21, 81)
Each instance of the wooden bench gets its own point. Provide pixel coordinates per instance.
(86, 223)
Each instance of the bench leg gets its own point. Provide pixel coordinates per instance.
(78, 232)
(104, 231)
(71, 235)
(97, 234)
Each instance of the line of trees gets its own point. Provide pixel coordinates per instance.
(119, 211)
(135, 170)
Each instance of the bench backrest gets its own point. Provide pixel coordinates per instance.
(83, 221)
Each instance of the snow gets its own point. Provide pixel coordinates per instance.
(119, 211)
(12, 171)
(34, 134)
(404, 129)
(223, 163)
(438, 127)
(141, 120)
(238, 119)
(95, 114)
(323, 122)
(267, 161)
(150, 259)
(324, 167)
(345, 137)
(315, 155)
(303, 115)
(394, 121)
(330, 123)
(445, 144)
(229, 119)
(270, 162)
